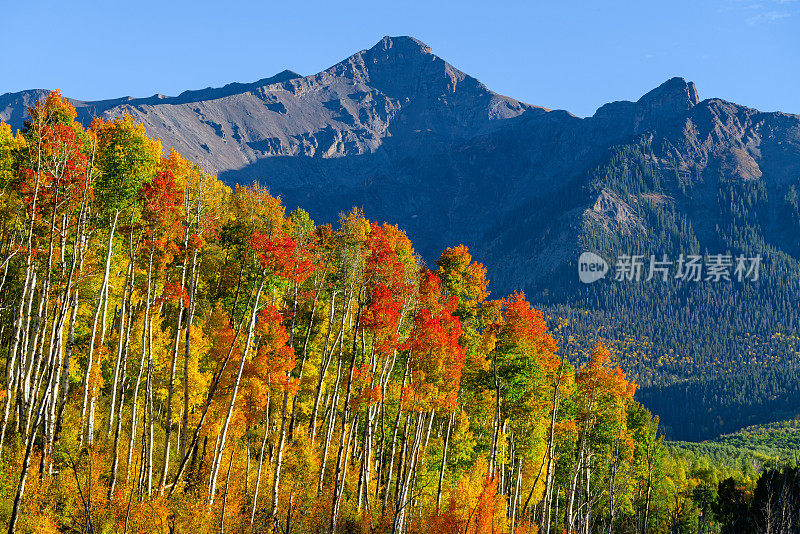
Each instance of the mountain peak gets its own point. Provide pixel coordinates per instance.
(676, 95)
(402, 44)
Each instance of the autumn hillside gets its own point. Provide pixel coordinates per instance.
(184, 357)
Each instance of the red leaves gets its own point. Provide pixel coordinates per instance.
(525, 324)
(64, 169)
(383, 263)
(275, 359)
(282, 257)
(382, 317)
(385, 277)
(174, 291)
(437, 358)
(162, 201)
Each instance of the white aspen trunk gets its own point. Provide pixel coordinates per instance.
(325, 362)
(135, 402)
(186, 356)
(174, 362)
(118, 360)
(444, 463)
(250, 328)
(403, 500)
(90, 359)
(225, 496)
(258, 476)
(329, 428)
(199, 426)
(341, 463)
(149, 399)
(279, 458)
(12, 528)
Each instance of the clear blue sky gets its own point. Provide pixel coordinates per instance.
(566, 54)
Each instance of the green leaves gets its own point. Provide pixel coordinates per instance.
(126, 158)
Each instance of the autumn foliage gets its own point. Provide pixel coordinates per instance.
(187, 357)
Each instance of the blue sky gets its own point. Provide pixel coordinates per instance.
(567, 54)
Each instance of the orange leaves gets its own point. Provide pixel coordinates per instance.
(487, 507)
(430, 294)
(224, 338)
(400, 243)
(603, 395)
(195, 243)
(174, 291)
(274, 360)
(179, 167)
(602, 382)
(282, 256)
(475, 506)
(270, 328)
(162, 201)
(365, 393)
(527, 324)
(436, 356)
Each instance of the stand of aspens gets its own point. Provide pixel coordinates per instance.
(183, 357)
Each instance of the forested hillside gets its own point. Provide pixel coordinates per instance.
(710, 355)
(753, 447)
(183, 357)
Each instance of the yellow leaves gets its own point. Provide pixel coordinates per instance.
(8, 145)
(488, 341)
(96, 378)
(180, 167)
(53, 109)
(146, 516)
(401, 245)
(474, 506)
(255, 207)
(354, 227)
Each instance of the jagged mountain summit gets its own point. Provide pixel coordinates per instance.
(398, 88)
(410, 139)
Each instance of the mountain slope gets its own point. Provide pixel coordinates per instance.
(409, 138)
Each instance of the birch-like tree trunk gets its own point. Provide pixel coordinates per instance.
(250, 327)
